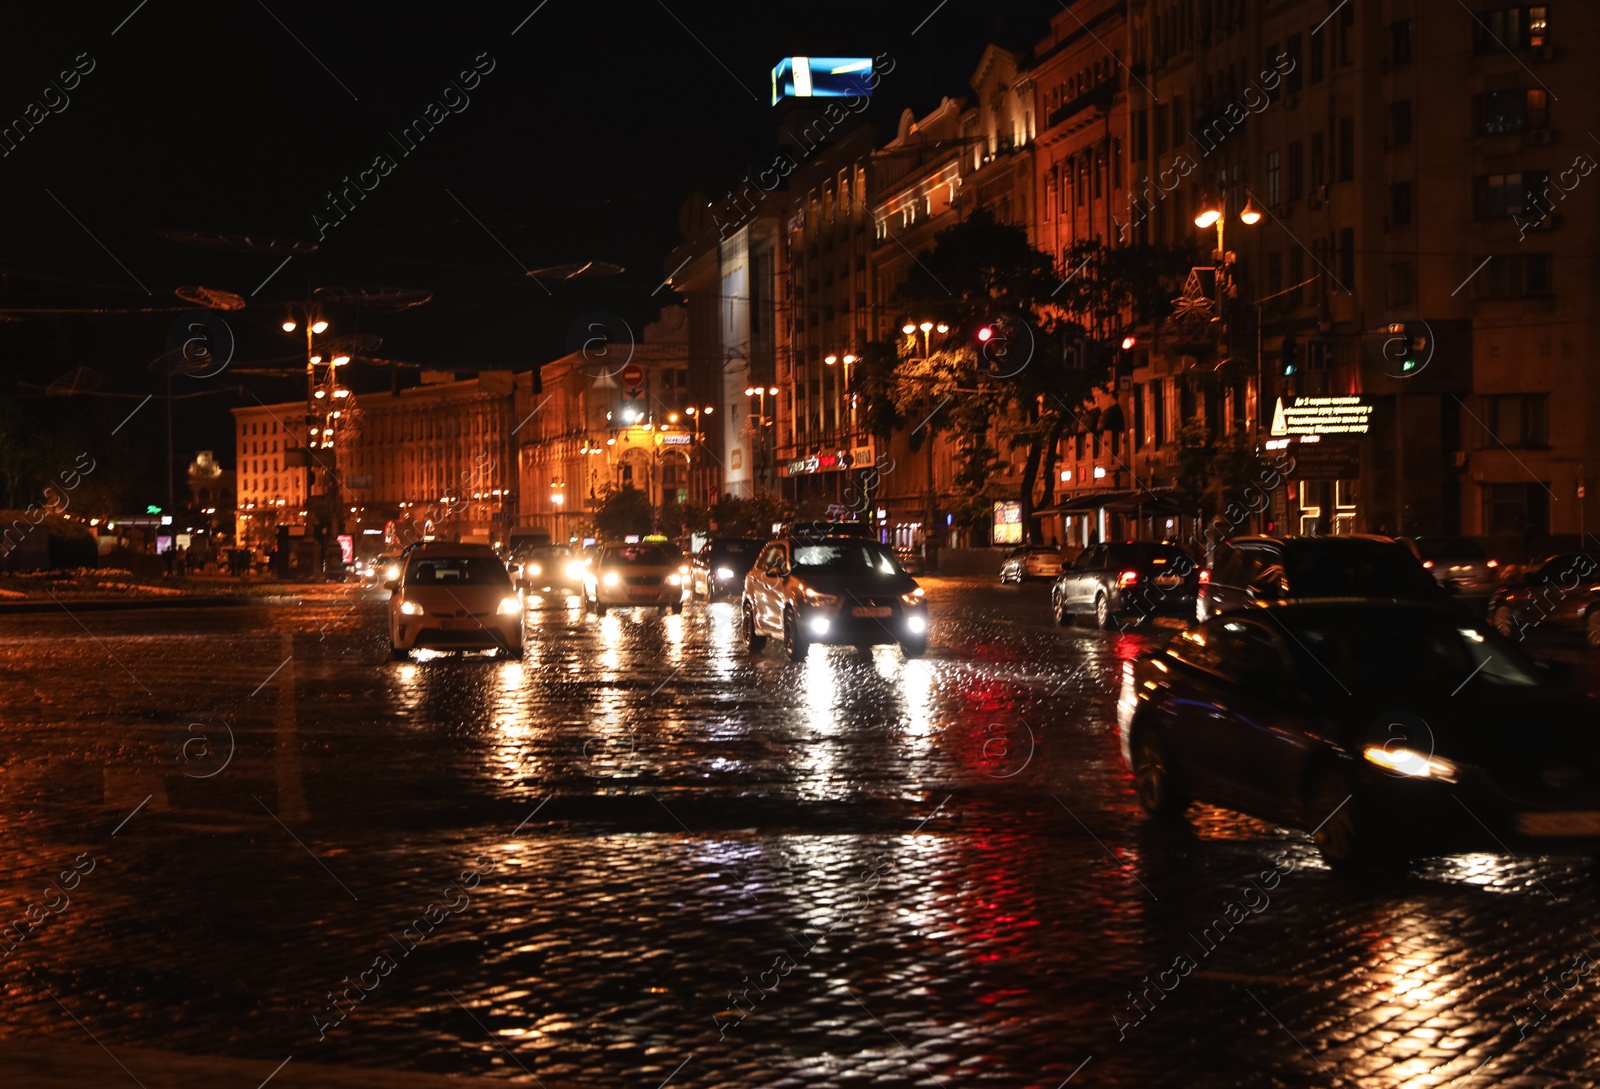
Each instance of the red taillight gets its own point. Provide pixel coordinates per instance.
(1494, 563)
(1205, 575)
(1127, 578)
(1427, 565)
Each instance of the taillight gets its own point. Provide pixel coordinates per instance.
(1127, 578)
(1427, 565)
(1493, 563)
(1205, 575)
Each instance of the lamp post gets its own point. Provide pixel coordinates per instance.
(697, 414)
(849, 360)
(1216, 213)
(320, 414)
(918, 333)
(762, 423)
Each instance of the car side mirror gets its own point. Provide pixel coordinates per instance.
(391, 584)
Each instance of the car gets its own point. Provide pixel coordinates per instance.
(454, 597)
(546, 567)
(1248, 571)
(1031, 562)
(839, 590)
(625, 575)
(1122, 582)
(380, 569)
(1459, 564)
(720, 567)
(1563, 593)
(910, 561)
(1387, 731)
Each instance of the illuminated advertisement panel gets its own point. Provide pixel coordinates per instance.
(821, 77)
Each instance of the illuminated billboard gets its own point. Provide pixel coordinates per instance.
(822, 77)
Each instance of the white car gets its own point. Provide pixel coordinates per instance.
(625, 575)
(454, 597)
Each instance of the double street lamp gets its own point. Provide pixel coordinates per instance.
(323, 407)
(919, 334)
(849, 360)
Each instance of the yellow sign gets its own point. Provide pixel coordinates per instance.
(1323, 416)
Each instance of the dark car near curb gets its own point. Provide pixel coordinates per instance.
(1126, 582)
(1561, 594)
(1250, 571)
(720, 567)
(832, 589)
(1386, 731)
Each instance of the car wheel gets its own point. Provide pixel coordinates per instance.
(1342, 837)
(1505, 622)
(794, 640)
(600, 607)
(1102, 612)
(1153, 782)
(754, 641)
(1591, 628)
(1059, 606)
(914, 648)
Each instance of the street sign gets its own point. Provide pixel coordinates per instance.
(633, 382)
(1326, 459)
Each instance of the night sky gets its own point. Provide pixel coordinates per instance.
(578, 140)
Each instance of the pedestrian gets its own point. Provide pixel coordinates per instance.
(183, 561)
(169, 557)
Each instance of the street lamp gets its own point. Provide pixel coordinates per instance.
(919, 335)
(309, 318)
(849, 359)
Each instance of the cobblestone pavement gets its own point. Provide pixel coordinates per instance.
(642, 856)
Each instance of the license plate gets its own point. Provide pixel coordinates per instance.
(1579, 822)
(1168, 580)
(875, 611)
(644, 591)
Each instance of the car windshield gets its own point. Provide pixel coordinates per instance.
(1454, 548)
(639, 556)
(1375, 570)
(735, 550)
(542, 553)
(1404, 653)
(842, 558)
(457, 571)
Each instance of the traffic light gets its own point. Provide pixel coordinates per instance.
(1290, 355)
(985, 335)
(1125, 355)
(1412, 347)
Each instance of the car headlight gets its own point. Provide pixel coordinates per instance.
(534, 569)
(724, 572)
(610, 578)
(675, 580)
(917, 624)
(411, 608)
(1410, 763)
(392, 571)
(509, 606)
(913, 598)
(575, 570)
(820, 600)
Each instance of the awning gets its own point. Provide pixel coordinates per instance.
(1087, 502)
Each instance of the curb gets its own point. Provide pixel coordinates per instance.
(25, 1064)
(107, 604)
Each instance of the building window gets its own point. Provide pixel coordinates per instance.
(1522, 509)
(1316, 57)
(1402, 283)
(1496, 196)
(1158, 414)
(1400, 122)
(1516, 276)
(1512, 111)
(1525, 27)
(1347, 257)
(1400, 44)
(1319, 161)
(1297, 170)
(1274, 272)
(1295, 51)
(1347, 148)
(1274, 179)
(1517, 420)
(1400, 204)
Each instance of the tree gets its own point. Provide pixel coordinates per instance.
(623, 512)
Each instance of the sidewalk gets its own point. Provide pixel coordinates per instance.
(27, 1064)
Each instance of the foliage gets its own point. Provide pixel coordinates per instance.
(746, 516)
(623, 512)
(1210, 473)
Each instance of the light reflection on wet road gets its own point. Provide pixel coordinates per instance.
(858, 869)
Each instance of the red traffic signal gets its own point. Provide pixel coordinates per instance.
(1128, 342)
(985, 334)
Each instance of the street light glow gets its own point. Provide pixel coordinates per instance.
(926, 326)
(319, 326)
(1251, 214)
(909, 329)
(289, 326)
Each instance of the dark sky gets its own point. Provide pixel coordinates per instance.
(580, 143)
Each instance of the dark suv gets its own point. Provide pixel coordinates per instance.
(832, 589)
(1126, 582)
(720, 567)
(1252, 570)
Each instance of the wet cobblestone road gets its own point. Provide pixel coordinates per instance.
(641, 855)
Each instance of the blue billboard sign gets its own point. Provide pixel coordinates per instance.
(822, 77)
